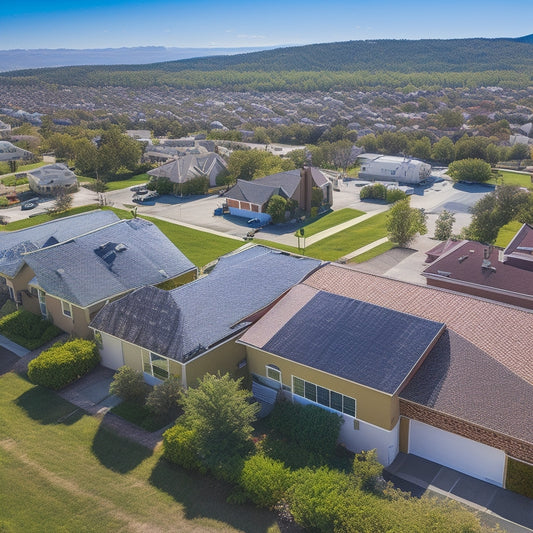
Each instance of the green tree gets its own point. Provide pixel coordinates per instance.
(276, 208)
(405, 222)
(443, 150)
(448, 118)
(421, 148)
(219, 411)
(493, 154)
(471, 147)
(368, 142)
(163, 399)
(252, 164)
(470, 170)
(86, 159)
(444, 225)
(117, 151)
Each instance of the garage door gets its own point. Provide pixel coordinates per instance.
(465, 455)
(111, 352)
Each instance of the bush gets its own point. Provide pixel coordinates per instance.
(519, 477)
(129, 385)
(377, 191)
(27, 329)
(63, 363)
(470, 170)
(310, 426)
(276, 208)
(179, 447)
(161, 185)
(368, 470)
(163, 400)
(393, 195)
(4, 202)
(198, 185)
(265, 480)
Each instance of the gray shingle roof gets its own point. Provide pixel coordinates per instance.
(364, 343)
(15, 243)
(208, 310)
(106, 262)
(255, 193)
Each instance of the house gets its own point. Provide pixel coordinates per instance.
(247, 198)
(421, 370)
(52, 179)
(474, 268)
(10, 152)
(400, 169)
(185, 168)
(75, 278)
(14, 244)
(192, 329)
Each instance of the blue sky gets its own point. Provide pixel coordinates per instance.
(234, 23)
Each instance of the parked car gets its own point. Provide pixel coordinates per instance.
(140, 198)
(26, 206)
(138, 188)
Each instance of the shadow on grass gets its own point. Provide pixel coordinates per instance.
(46, 407)
(117, 453)
(205, 497)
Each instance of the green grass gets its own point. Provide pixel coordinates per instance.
(80, 476)
(24, 168)
(374, 252)
(119, 184)
(513, 178)
(506, 233)
(139, 415)
(330, 220)
(342, 243)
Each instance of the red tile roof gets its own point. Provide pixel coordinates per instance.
(503, 332)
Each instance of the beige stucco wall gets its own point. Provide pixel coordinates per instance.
(77, 325)
(373, 406)
(132, 356)
(224, 358)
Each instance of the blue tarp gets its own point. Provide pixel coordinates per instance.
(264, 218)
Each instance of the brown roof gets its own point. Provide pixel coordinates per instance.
(465, 263)
(459, 379)
(503, 332)
(520, 249)
(440, 249)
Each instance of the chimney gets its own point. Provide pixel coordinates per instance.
(306, 185)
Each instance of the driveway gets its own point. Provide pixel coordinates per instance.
(7, 360)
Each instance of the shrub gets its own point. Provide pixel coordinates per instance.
(63, 363)
(179, 447)
(393, 195)
(377, 191)
(129, 385)
(520, 477)
(27, 329)
(276, 208)
(265, 480)
(310, 426)
(368, 470)
(4, 202)
(161, 185)
(163, 400)
(199, 185)
(470, 170)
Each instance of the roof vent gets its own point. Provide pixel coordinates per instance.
(462, 258)
(163, 273)
(60, 272)
(472, 251)
(120, 247)
(444, 273)
(486, 263)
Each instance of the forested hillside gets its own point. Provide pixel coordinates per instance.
(346, 65)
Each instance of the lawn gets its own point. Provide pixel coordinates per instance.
(342, 243)
(199, 246)
(120, 184)
(374, 252)
(506, 233)
(79, 476)
(513, 178)
(330, 220)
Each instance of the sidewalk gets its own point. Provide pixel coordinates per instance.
(511, 511)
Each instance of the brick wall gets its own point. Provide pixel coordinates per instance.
(513, 447)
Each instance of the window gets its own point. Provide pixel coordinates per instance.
(156, 366)
(322, 396)
(66, 308)
(273, 372)
(11, 293)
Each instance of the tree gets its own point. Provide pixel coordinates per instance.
(163, 400)
(219, 411)
(252, 164)
(342, 154)
(405, 222)
(443, 150)
(129, 385)
(470, 170)
(63, 201)
(444, 225)
(277, 205)
(117, 151)
(421, 148)
(448, 118)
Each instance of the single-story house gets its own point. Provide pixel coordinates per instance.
(486, 271)
(421, 370)
(10, 152)
(185, 168)
(14, 244)
(253, 196)
(52, 179)
(393, 168)
(192, 329)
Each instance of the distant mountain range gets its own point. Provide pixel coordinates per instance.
(63, 57)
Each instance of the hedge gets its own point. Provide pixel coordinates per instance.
(27, 329)
(519, 477)
(179, 447)
(63, 363)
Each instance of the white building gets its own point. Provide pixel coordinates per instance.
(392, 168)
(50, 179)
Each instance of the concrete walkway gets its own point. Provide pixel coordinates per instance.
(13, 347)
(512, 512)
(363, 249)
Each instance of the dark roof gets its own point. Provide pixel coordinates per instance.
(107, 261)
(503, 332)
(364, 343)
(520, 249)
(288, 181)
(441, 248)
(459, 379)
(478, 264)
(207, 311)
(255, 193)
(14, 244)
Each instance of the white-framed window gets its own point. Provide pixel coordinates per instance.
(273, 372)
(66, 307)
(156, 366)
(42, 303)
(11, 292)
(322, 396)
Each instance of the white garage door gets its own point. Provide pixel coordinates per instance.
(111, 352)
(465, 455)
